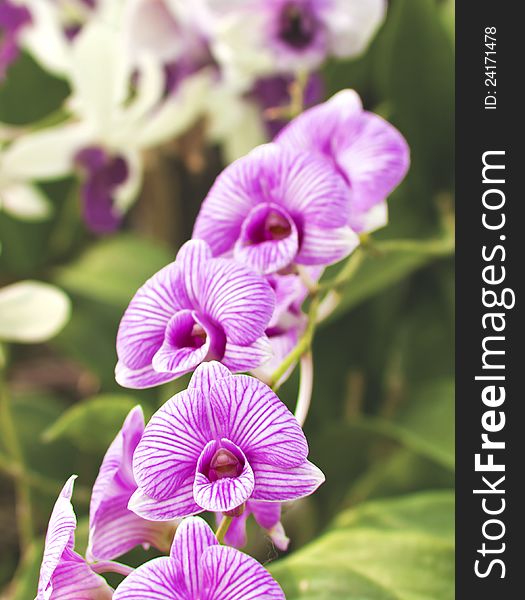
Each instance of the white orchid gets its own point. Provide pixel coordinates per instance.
(109, 127)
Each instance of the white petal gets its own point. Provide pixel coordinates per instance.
(45, 154)
(32, 312)
(352, 23)
(45, 38)
(127, 193)
(100, 73)
(24, 202)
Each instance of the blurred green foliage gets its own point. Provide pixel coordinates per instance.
(381, 423)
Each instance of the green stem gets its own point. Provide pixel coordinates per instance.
(24, 516)
(302, 347)
(222, 530)
(352, 264)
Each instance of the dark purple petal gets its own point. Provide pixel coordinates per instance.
(232, 575)
(268, 516)
(102, 175)
(171, 445)
(277, 484)
(194, 536)
(224, 493)
(158, 579)
(255, 420)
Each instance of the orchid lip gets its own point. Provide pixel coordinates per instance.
(267, 223)
(296, 27)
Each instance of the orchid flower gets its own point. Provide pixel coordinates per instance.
(113, 528)
(110, 130)
(199, 567)
(65, 574)
(225, 440)
(196, 309)
(370, 154)
(262, 37)
(275, 208)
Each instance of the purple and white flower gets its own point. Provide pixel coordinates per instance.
(196, 309)
(293, 35)
(267, 515)
(14, 18)
(110, 129)
(370, 154)
(275, 208)
(65, 574)
(199, 567)
(225, 440)
(113, 528)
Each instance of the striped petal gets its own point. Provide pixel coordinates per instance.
(141, 331)
(181, 505)
(192, 258)
(206, 375)
(145, 377)
(243, 358)
(232, 575)
(240, 301)
(277, 484)
(223, 494)
(194, 536)
(319, 247)
(171, 445)
(63, 573)
(158, 579)
(374, 157)
(254, 419)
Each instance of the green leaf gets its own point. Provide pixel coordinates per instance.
(425, 424)
(92, 424)
(113, 269)
(399, 549)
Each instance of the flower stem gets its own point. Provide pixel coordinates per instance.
(222, 530)
(304, 395)
(302, 347)
(24, 516)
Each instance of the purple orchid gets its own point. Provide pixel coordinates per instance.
(13, 19)
(65, 574)
(103, 174)
(371, 155)
(113, 528)
(267, 515)
(199, 567)
(276, 207)
(225, 440)
(196, 309)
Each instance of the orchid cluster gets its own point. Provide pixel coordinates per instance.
(143, 72)
(230, 303)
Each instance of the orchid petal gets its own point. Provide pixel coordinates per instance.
(231, 575)
(32, 311)
(158, 579)
(277, 484)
